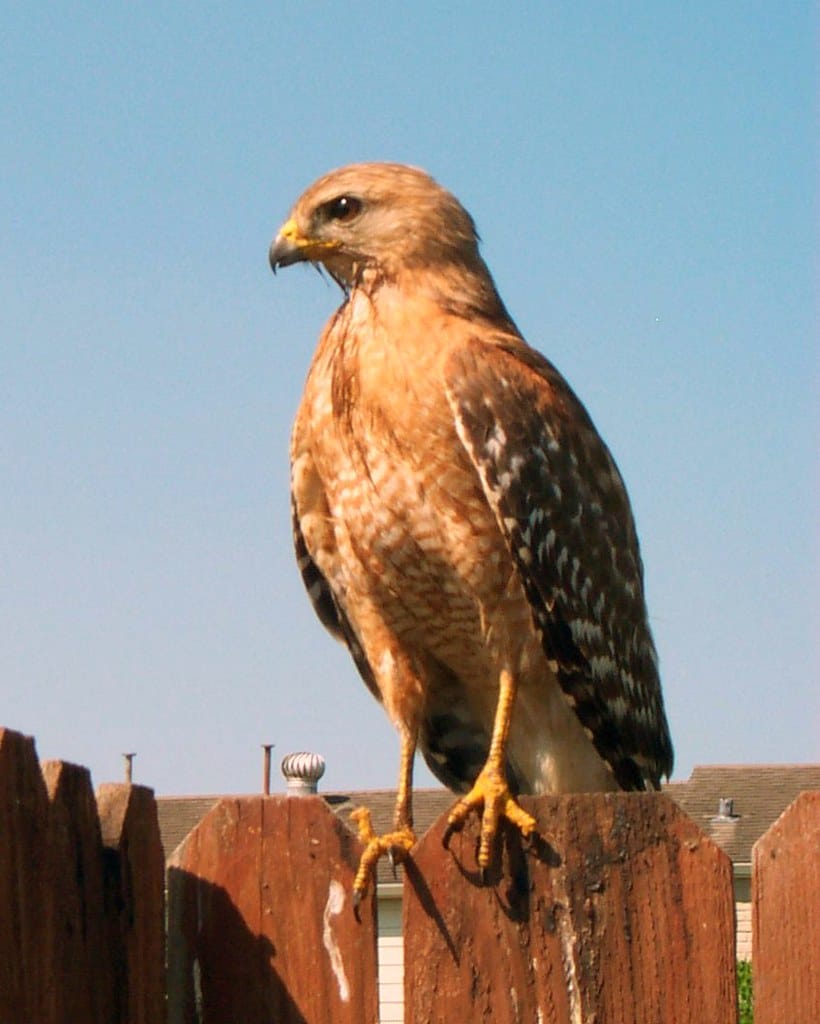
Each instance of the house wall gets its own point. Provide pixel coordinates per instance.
(391, 961)
(743, 915)
(743, 924)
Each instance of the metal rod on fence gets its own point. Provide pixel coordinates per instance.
(267, 747)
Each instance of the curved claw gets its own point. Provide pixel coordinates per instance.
(452, 827)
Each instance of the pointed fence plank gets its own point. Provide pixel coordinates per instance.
(134, 900)
(622, 913)
(79, 984)
(261, 925)
(23, 891)
(786, 916)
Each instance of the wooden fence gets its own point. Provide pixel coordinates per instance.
(82, 931)
(622, 912)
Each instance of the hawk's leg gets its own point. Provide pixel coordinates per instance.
(490, 792)
(401, 840)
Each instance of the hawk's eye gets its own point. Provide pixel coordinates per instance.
(343, 208)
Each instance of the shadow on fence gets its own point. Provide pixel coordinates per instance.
(261, 925)
(622, 913)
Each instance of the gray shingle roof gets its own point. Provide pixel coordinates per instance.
(179, 815)
(760, 793)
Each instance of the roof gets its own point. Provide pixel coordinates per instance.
(760, 793)
(179, 815)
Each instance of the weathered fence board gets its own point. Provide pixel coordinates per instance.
(622, 915)
(261, 925)
(23, 832)
(786, 916)
(134, 900)
(79, 984)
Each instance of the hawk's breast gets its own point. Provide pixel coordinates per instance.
(408, 527)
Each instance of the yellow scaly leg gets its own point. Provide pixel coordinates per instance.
(402, 839)
(490, 790)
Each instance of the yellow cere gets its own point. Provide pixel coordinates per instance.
(290, 231)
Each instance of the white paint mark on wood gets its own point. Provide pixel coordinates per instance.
(333, 907)
(568, 960)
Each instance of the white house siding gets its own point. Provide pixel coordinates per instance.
(391, 961)
(743, 925)
(743, 911)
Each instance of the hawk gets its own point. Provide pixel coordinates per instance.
(458, 521)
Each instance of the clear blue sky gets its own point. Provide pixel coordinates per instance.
(644, 179)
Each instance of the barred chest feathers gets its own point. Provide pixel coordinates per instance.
(404, 500)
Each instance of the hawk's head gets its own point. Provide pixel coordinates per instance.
(379, 215)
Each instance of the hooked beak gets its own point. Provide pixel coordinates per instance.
(291, 247)
(288, 247)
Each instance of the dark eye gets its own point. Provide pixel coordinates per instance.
(343, 208)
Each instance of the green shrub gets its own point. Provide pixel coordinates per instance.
(744, 992)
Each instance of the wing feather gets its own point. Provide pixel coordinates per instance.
(562, 507)
(325, 604)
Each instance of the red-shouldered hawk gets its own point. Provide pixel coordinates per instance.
(459, 522)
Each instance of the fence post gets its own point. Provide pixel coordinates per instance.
(134, 900)
(623, 912)
(786, 916)
(261, 925)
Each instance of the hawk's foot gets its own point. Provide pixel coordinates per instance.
(491, 797)
(395, 845)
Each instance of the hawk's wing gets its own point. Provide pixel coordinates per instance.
(324, 602)
(562, 507)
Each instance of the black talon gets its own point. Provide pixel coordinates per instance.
(452, 828)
